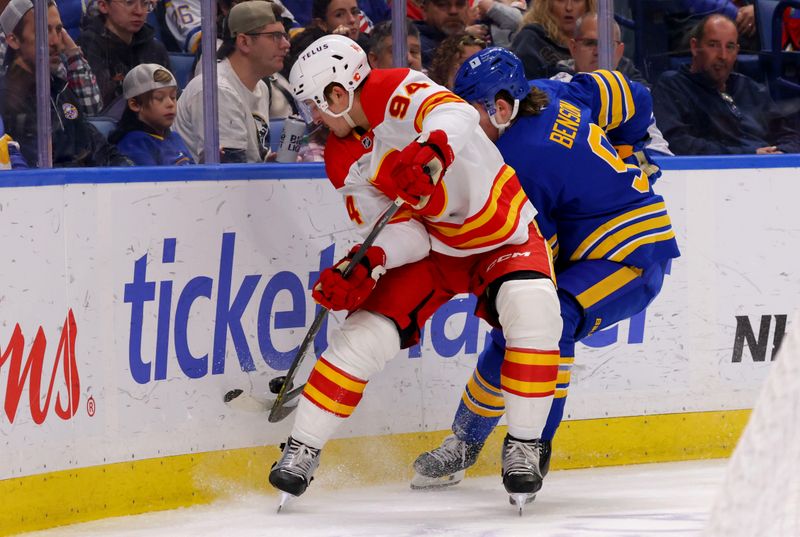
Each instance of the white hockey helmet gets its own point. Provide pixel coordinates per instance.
(331, 58)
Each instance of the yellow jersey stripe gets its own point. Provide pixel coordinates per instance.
(602, 117)
(646, 239)
(510, 222)
(452, 230)
(607, 227)
(615, 239)
(606, 286)
(616, 98)
(630, 106)
(431, 102)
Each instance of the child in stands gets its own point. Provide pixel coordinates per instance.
(144, 133)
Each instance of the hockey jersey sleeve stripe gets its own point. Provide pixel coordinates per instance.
(619, 222)
(606, 286)
(431, 102)
(616, 99)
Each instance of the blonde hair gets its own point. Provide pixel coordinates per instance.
(539, 13)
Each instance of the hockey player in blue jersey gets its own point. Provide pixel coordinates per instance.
(578, 151)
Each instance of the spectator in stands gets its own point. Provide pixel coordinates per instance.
(144, 133)
(742, 12)
(441, 19)
(583, 48)
(254, 46)
(341, 17)
(450, 54)
(75, 141)
(116, 41)
(10, 155)
(503, 18)
(180, 20)
(73, 68)
(543, 41)
(706, 109)
(380, 46)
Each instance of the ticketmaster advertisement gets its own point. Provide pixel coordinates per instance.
(128, 310)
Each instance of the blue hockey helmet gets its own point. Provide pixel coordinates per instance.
(484, 74)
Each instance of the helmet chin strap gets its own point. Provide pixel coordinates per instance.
(345, 114)
(501, 127)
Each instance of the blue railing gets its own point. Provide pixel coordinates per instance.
(273, 171)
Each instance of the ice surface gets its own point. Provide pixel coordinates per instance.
(663, 500)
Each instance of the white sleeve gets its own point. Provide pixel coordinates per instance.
(183, 22)
(457, 119)
(405, 240)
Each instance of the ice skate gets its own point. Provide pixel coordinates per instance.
(522, 477)
(444, 466)
(295, 469)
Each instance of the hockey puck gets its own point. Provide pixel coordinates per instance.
(276, 384)
(233, 394)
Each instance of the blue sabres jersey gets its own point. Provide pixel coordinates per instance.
(592, 204)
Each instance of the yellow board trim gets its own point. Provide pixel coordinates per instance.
(84, 494)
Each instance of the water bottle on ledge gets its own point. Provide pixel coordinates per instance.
(291, 137)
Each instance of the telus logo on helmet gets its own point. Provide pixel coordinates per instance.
(313, 51)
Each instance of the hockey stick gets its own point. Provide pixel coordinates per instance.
(279, 409)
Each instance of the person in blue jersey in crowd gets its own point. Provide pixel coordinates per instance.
(144, 133)
(578, 149)
(10, 155)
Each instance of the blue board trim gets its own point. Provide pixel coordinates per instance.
(230, 172)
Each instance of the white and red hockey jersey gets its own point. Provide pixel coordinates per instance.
(478, 206)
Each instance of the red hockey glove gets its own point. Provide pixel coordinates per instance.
(334, 292)
(421, 166)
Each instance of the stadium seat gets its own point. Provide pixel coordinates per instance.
(181, 67)
(652, 55)
(105, 125)
(782, 68)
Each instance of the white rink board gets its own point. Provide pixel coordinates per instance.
(77, 246)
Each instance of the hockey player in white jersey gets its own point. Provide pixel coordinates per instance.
(466, 226)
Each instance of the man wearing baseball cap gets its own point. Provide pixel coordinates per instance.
(254, 46)
(75, 141)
